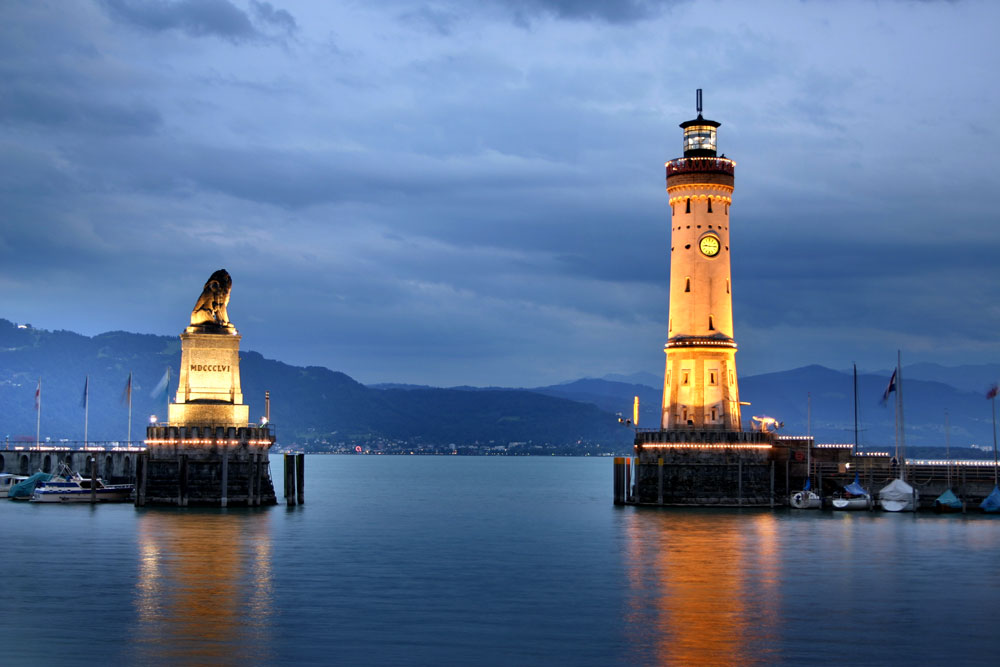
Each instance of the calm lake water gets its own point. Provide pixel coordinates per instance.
(472, 561)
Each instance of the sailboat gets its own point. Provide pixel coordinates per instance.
(806, 499)
(947, 502)
(991, 503)
(897, 495)
(855, 496)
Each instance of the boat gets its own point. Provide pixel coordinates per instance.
(69, 487)
(991, 504)
(898, 496)
(947, 503)
(855, 497)
(22, 490)
(8, 480)
(806, 499)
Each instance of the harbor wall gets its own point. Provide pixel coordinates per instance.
(114, 466)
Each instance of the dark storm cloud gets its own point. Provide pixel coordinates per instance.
(620, 11)
(448, 197)
(193, 17)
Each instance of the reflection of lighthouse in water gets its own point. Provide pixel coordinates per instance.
(204, 592)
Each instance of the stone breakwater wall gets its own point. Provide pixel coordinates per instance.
(114, 466)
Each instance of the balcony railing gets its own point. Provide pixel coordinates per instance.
(684, 165)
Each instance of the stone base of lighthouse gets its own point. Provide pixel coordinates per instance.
(708, 468)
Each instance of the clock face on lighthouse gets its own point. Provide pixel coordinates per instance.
(709, 245)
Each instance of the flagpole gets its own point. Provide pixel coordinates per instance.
(86, 408)
(902, 423)
(128, 443)
(38, 423)
(994, 411)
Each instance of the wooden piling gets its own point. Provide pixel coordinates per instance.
(619, 477)
(141, 462)
(659, 480)
(300, 477)
(739, 474)
(628, 479)
(93, 479)
(182, 499)
(290, 480)
(252, 481)
(772, 484)
(225, 479)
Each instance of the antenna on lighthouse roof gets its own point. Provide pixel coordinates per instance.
(699, 100)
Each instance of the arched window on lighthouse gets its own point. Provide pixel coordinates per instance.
(687, 284)
(709, 204)
(688, 210)
(727, 286)
(711, 323)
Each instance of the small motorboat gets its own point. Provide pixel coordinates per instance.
(69, 487)
(855, 497)
(898, 496)
(8, 480)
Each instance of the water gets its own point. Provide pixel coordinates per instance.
(456, 560)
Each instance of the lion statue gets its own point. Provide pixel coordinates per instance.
(210, 310)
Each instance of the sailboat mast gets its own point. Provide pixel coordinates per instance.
(86, 408)
(994, 411)
(128, 443)
(855, 409)
(947, 444)
(809, 404)
(899, 411)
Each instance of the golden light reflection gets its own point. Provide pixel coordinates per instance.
(205, 586)
(704, 585)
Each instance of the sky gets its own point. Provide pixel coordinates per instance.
(451, 193)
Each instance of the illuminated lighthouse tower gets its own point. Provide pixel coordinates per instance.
(700, 389)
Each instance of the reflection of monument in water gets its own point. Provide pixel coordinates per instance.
(208, 453)
(204, 593)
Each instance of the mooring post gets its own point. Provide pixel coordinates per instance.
(225, 478)
(300, 477)
(772, 484)
(183, 500)
(616, 478)
(659, 481)
(628, 479)
(258, 484)
(93, 479)
(290, 479)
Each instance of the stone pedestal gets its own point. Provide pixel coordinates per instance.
(207, 453)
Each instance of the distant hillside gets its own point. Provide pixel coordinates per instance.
(306, 403)
(784, 396)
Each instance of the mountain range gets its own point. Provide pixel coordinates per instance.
(312, 404)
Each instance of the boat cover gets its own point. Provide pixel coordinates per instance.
(897, 489)
(855, 488)
(948, 499)
(992, 501)
(26, 487)
(808, 485)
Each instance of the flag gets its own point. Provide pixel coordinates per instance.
(161, 386)
(86, 392)
(891, 388)
(38, 395)
(992, 393)
(127, 394)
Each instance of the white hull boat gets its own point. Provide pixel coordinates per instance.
(8, 480)
(899, 496)
(70, 487)
(856, 503)
(805, 500)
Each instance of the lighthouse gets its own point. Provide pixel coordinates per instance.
(700, 390)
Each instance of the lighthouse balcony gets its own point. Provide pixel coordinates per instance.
(687, 165)
(702, 436)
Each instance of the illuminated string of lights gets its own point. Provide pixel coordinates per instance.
(686, 445)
